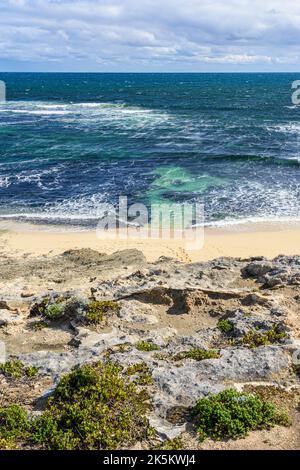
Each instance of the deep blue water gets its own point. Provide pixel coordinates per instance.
(69, 142)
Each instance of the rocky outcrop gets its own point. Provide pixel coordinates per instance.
(165, 310)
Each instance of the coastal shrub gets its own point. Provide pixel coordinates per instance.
(142, 371)
(254, 338)
(198, 354)
(16, 369)
(39, 308)
(285, 400)
(97, 310)
(226, 326)
(38, 325)
(93, 407)
(146, 346)
(13, 368)
(13, 422)
(31, 371)
(8, 444)
(54, 311)
(49, 309)
(172, 444)
(161, 356)
(231, 414)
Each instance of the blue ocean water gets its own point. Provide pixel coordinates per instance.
(70, 142)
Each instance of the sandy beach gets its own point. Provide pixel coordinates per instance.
(242, 241)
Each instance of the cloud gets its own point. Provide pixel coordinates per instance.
(149, 34)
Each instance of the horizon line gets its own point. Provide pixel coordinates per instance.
(150, 73)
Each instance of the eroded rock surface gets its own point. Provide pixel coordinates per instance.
(175, 308)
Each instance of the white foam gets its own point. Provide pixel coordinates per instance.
(291, 128)
(228, 222)
(39, 112)
(4, 181)
(110, 113)
(47, 216)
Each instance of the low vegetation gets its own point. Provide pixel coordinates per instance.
(48, 309)
(54, 311)
(16, 369)
(14, 425)
(93, 312)
(38, 325)
(141, 370)
(96, 310)
(254, 338)
(161, 356)
(146, 346)
(198, 354)
(285, 400)
(225, 326)
(231, 414)
(31, 371)
(8, 444)
(172, 444)
(93, 407)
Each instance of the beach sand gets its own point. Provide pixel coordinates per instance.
(242, 241)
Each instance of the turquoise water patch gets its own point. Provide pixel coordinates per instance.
(174, 181)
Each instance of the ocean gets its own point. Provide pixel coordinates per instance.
(71, 142)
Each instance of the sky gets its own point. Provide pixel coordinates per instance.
(150, 35)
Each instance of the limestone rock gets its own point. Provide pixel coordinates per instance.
(8, 318)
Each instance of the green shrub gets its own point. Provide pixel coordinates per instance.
(231, 414)
(146, 346)
(31, 371)
(226, 326)
(142, 371)
(16, 369)
(13, 422)
(97, 310)
(49, 309)
(93, 407)
(254, 338)
(39, 308)
(161, 356)
(198, 354)
(172, 444)
(13, 368)
(54, 311)
(8, 444)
